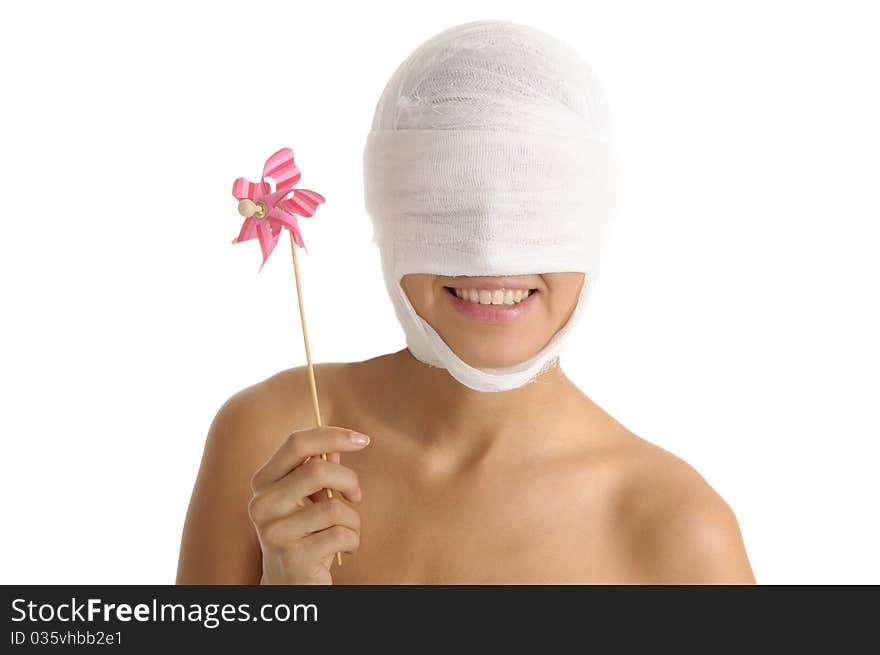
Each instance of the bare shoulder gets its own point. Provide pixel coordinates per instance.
(253, 422)
(265, 413)
(678, 529)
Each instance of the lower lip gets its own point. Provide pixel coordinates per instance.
(490, 313)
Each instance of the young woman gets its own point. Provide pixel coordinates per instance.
(468, 456)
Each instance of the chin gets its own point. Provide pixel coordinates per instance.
(493, 355)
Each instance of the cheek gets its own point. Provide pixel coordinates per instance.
(429, 298)
(422, 297)
(441, 307)
(566, 303)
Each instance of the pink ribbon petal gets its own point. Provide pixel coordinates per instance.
(267, 240)
(280, 167)
(281, 219)
(303, 202)
(272, 199)
(243, 189)
(248, 230)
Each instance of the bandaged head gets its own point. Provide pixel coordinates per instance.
(489, 154)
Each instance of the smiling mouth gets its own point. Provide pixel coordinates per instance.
(492, 296)
(496, 306)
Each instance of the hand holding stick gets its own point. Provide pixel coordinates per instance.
(312, 384)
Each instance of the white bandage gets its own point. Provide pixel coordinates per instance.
(490, 154)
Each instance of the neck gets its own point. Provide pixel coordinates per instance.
(446, 415)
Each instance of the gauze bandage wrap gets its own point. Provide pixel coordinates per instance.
(489, 154)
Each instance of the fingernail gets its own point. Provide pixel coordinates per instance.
(359, 439)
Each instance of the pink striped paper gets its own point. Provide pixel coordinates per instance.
(283, 204)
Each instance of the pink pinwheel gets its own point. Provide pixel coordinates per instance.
(266, 211)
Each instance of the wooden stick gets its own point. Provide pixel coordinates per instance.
(314, 388)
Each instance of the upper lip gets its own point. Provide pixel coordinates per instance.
(490, 283)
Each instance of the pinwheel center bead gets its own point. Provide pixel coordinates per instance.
(248, 208)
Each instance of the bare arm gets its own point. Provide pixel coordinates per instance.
(268, 424)
(682, 531)
(702, 544)
(219, 544)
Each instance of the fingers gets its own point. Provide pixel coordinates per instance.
(288, 495)
(315, 517)
(327, 542)
(303, 444)
(299, 548)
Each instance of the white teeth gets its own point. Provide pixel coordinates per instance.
(493, 296)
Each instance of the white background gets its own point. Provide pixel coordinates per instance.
(735, 324)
